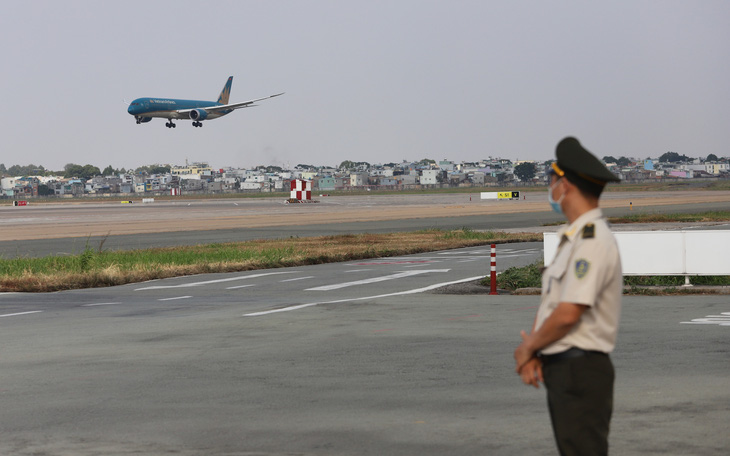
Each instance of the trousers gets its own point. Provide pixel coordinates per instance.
(580, 401)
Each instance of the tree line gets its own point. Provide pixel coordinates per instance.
(81, 171)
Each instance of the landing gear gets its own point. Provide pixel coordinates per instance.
(197, 124)
(139, 120)
(170, 124)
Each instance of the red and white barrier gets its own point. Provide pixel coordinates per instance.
(301, 189)
(493, 272)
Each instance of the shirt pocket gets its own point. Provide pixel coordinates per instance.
(554, 274)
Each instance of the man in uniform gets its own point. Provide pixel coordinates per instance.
(577, 321)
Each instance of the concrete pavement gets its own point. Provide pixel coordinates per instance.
(421, 374)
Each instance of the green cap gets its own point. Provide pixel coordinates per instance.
(573, 158)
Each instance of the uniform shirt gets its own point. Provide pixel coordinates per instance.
(586, 270)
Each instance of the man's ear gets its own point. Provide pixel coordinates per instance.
(564, 182)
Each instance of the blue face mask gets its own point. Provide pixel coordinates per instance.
(555, 204)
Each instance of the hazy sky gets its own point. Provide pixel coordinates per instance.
(375, 81)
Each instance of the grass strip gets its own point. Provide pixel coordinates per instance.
(707, 216)
(530, 276)
(99, 268)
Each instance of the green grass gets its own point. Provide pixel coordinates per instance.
(96, 268)
(530, 277)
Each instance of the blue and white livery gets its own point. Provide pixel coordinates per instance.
(144, 109)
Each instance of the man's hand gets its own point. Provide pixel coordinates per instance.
(523, 353)
(531, 372)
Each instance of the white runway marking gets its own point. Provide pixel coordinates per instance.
(175, 298)
(21, 313)
(721, 320)
(208, 282)
(295, 279)
(101, 304)
(241, 286)
(398, 275)
(417, 290)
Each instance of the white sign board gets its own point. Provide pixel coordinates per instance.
(500, 195)
(665, 252)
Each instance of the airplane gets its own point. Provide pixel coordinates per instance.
(144, 109)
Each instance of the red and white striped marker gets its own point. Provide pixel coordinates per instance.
(493, 276)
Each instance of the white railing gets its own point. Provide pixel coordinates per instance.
(686, 253)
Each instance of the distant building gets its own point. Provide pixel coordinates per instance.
(188, 171)
(429, 177)
(359, 179)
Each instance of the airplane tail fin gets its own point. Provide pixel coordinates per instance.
(226, 93)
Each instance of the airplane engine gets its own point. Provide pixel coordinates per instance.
(144, 119)
(198, 114)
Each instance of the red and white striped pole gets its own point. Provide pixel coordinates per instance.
(493, 277)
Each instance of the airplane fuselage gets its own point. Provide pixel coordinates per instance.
(167, 108)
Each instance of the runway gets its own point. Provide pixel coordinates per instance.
(63, 229)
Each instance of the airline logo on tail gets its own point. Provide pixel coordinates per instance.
(226, 92)
(145, 109)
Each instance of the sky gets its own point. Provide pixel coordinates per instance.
(374, 81)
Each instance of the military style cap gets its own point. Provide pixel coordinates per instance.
(574, 159)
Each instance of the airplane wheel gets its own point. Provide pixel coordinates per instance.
(174, 125)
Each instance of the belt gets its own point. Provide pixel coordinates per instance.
(568, 354)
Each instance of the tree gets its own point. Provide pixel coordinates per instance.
(673, 157)
(29, 170)
(45, 190)
(623, 161)
(158, 169)
(82, 172)
(108, 171)
(525, 171)
(346, 165)
(608, 159)
(711, 158)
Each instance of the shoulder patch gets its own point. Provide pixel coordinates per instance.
(589, 231)
(581, 268)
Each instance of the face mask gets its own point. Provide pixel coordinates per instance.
(555, 204)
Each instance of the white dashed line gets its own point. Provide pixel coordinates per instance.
(208, 282)
(101, 304)
(21, 313)
(175, 298)
(294, 280)
(398, 275)
(241, 286)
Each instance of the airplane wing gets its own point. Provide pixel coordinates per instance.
(243, 104)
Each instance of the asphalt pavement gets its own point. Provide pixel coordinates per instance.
(356, 358)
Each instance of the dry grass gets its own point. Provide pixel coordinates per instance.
(102, 268)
